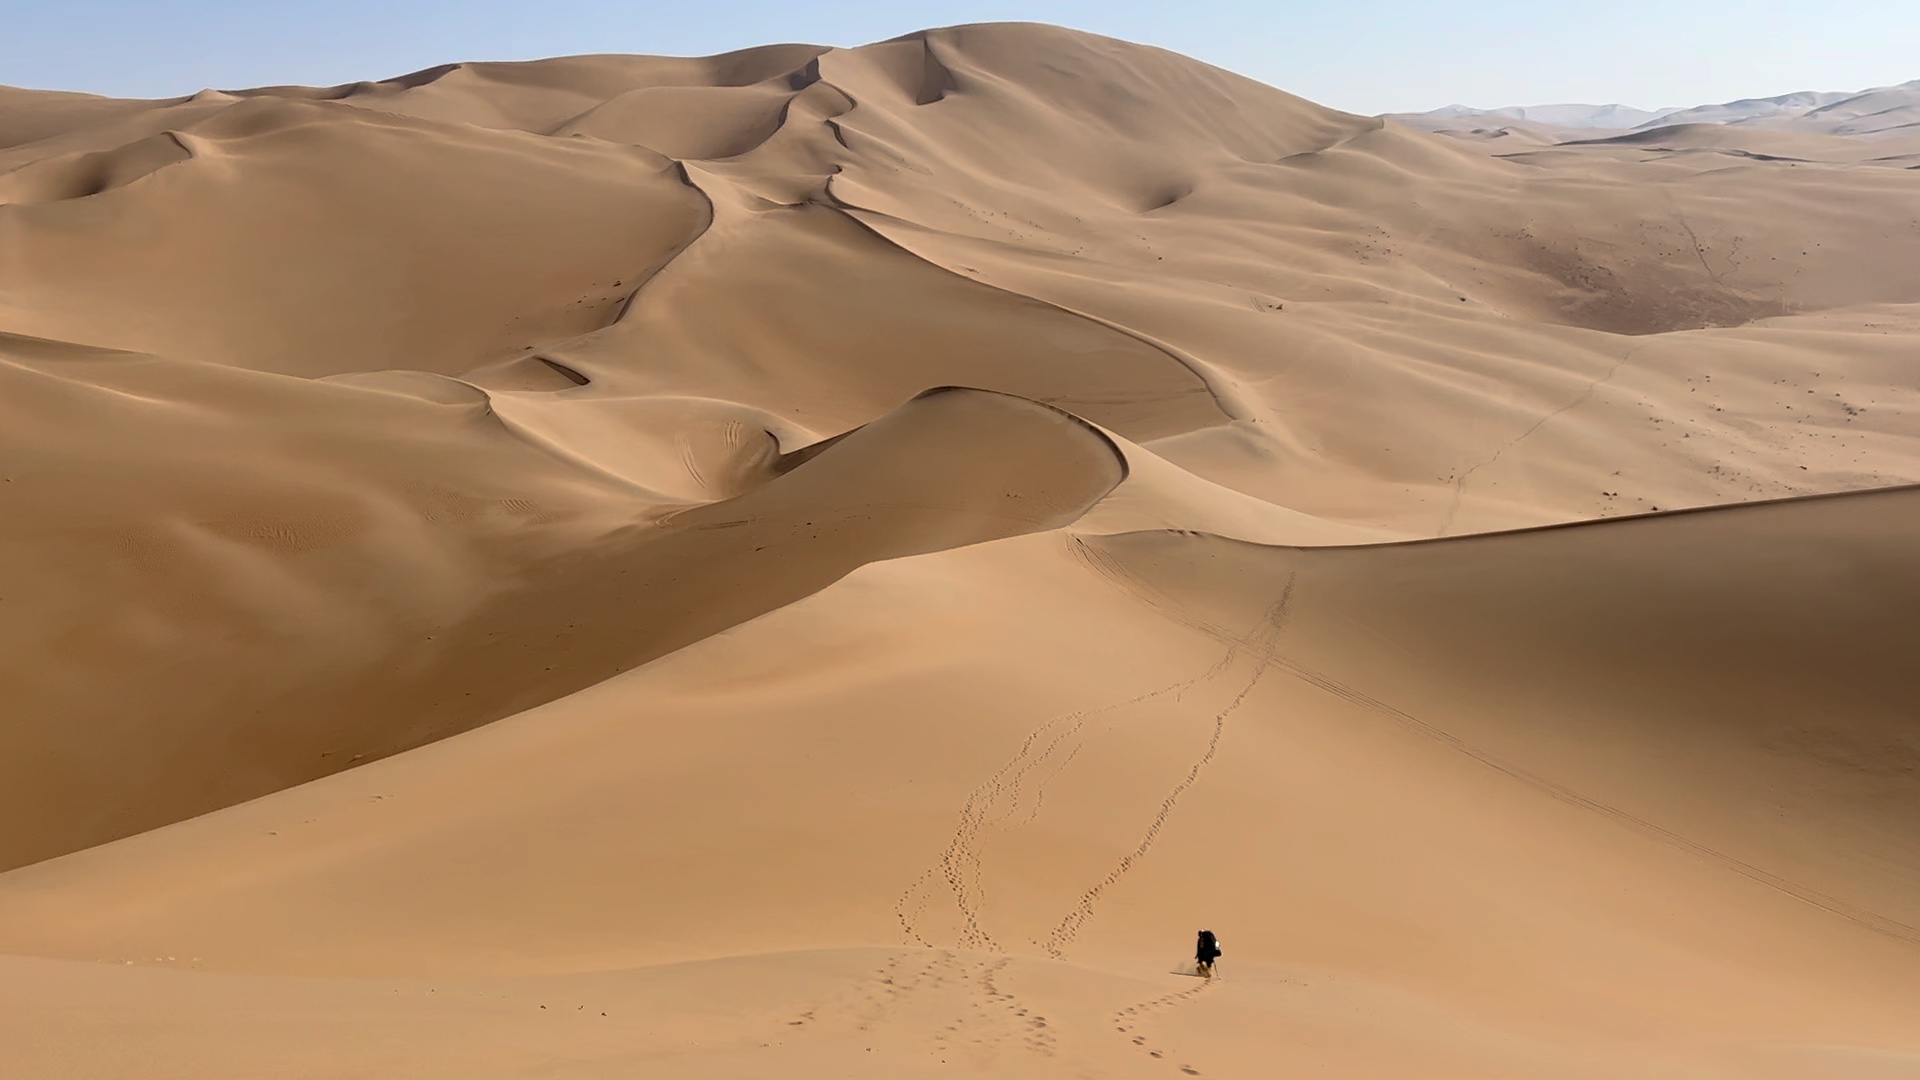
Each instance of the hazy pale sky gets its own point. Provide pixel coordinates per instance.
(1366, 56)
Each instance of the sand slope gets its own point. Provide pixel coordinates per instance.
(1658, 838)
(836, 562)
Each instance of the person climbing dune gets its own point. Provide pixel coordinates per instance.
(1207, 953)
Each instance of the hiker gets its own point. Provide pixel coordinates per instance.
(1207, 952)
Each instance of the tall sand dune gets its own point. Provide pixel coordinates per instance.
(836, 562)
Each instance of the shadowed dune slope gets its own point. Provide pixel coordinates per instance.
(835, 562)
(1585, 801)
(251, 636)
(1730, 681)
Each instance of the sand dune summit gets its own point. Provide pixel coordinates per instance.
(836, 562)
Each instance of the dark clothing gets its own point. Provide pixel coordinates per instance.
(1208, 949)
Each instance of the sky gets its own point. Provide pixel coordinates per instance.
(1366, 56)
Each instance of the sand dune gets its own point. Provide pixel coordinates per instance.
(1866, 112)
(1879, 127)
(832, 562)
(1808, 112)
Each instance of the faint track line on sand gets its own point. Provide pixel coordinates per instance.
(1586, 392)
(1124, 1020)
(1000, 795)
(1043, 754)
(959, 864)
(1262, 645)
(1070, 924)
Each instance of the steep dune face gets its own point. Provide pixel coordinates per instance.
(295, 669)
(491, 539)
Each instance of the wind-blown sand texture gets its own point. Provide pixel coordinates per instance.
(835, 563)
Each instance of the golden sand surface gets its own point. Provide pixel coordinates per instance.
(824, 563)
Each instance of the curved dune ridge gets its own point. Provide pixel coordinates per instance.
(835, 562)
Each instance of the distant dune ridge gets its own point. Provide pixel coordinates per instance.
(1885, 110)
(836, 562)
(1568, 115)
